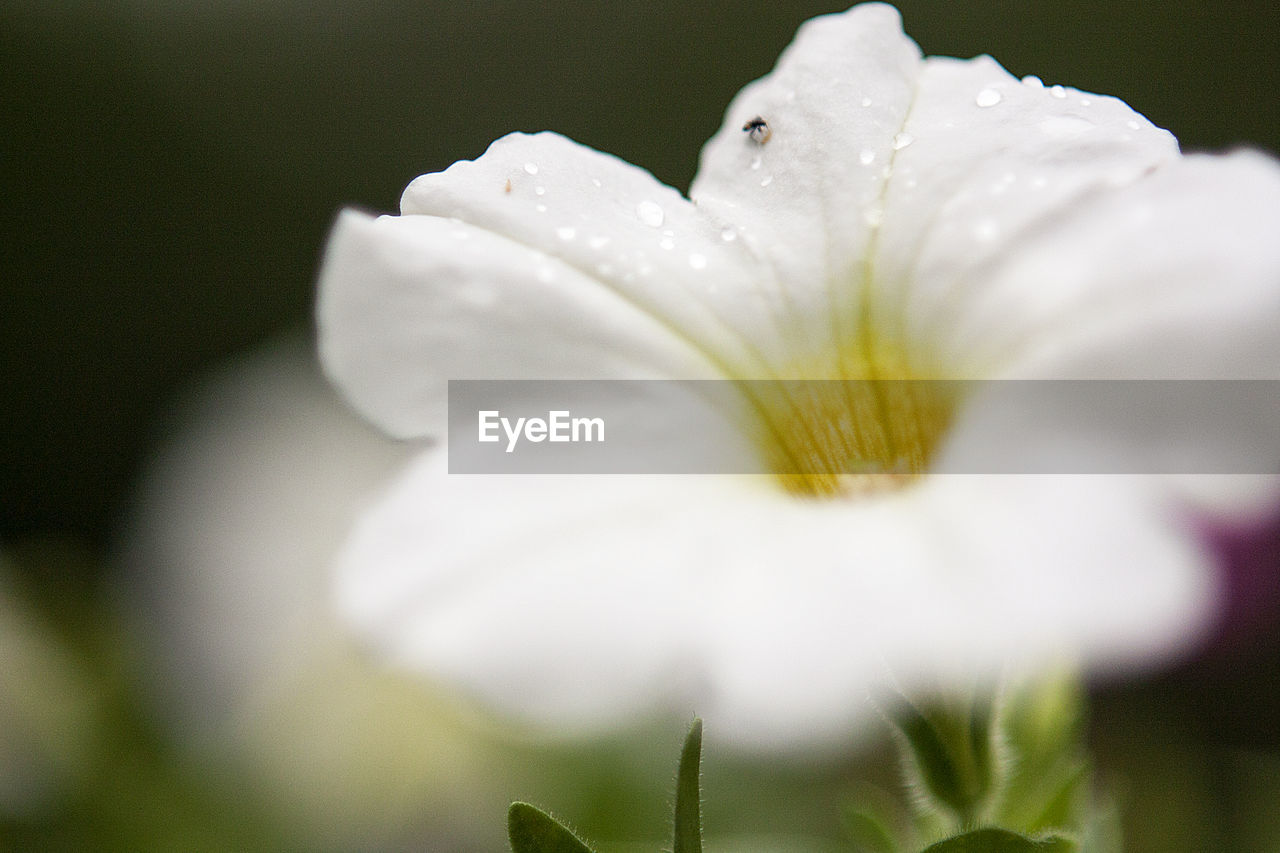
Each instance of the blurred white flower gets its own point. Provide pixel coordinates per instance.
(863, 213)
(235, 527)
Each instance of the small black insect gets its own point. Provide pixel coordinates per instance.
(757, 130)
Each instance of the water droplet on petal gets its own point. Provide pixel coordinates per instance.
(1033, 81)
(666, 243)
(866, 157)
(766, 180)
(755, 162)
(541, 208)
(531, 168)
(988, 98)
(729, 235)
(866, 102)
(1133, 125)
(1084, 102)
(650, 214)
(595, 182)
(598, 242)
(873, 217)
(539, 190)
(698, 261)
(1039, 182)
(902, 140)
(566, 232)
(1058, 92)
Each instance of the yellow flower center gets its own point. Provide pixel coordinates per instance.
(868, 420)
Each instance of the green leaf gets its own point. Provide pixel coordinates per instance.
(688, 823)
(534, 831)
(869, 831)
(938, 772)
(982, 745)
(993, 840)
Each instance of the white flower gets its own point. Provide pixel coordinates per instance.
(901, 218)
(235, 525)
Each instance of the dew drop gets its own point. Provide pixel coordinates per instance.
(531, 168)
(1058, 91)
(595, 182)
(541, 208)
(539, 190)
(755, 162)
(698, 261)
(666, 243)
(1033, 81)
(866, 102)
(566, 232)
(988, 98)
(766, 180)
(650, 214)
(1039, 182)
(873, 217)
(1084, 102)
(866, 157)
(729, 235)
(598, 242)
(1133, 125)
(902, 140)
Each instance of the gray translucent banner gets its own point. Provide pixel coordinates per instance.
(787, 427)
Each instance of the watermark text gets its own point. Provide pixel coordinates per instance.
(559, 425)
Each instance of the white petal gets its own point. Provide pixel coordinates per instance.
(1175, 277)
(616, 224)
(580, 601)
(995, 164)
(898, 184)
(574, 600)
(805, 200)
(407, 303)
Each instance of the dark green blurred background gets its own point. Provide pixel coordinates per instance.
(171, 166)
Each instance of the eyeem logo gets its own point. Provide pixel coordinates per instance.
(558, 426)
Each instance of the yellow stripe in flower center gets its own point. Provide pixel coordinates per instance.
(876, 427)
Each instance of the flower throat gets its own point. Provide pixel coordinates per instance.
(871, 423)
